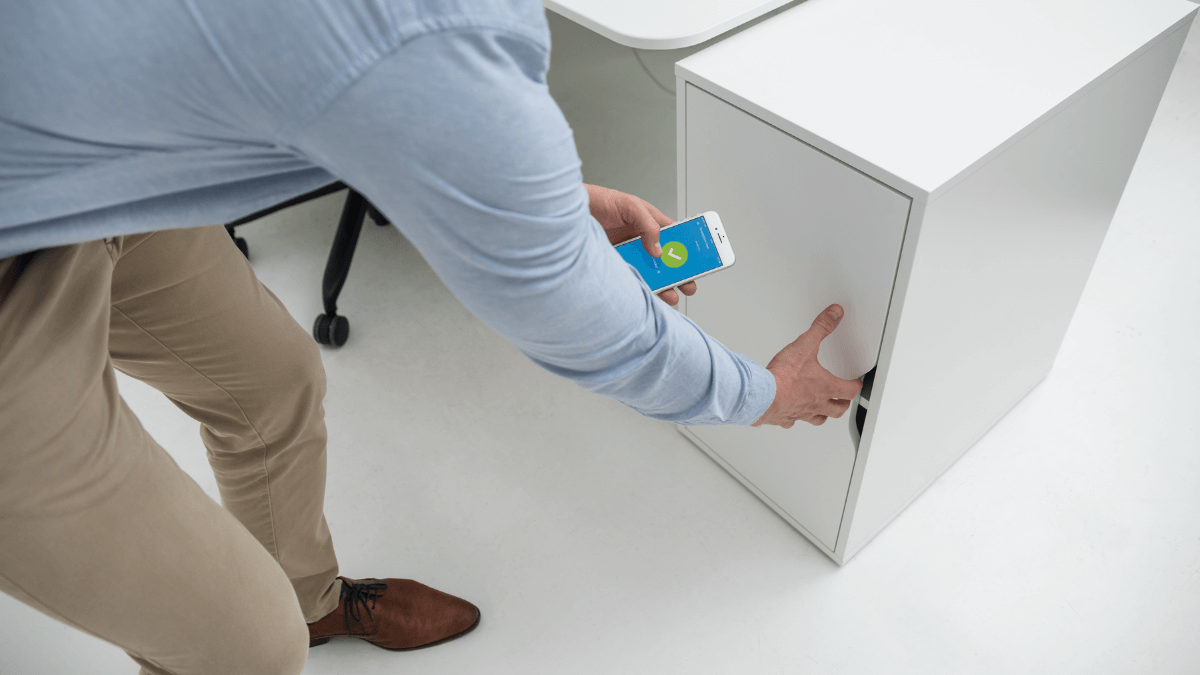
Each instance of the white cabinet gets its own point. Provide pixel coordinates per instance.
(827, 229)
(946, 172)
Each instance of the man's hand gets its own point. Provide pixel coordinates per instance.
(804, 390)
(623, 217)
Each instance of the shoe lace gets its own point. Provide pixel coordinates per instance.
(359, 595)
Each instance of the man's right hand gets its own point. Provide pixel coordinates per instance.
(804, 390)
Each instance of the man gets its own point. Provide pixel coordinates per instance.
(119, 121)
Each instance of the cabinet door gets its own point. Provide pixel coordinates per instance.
(808, 231)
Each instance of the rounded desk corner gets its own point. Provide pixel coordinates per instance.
(656, 42)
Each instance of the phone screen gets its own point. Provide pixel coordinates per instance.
(688, 250)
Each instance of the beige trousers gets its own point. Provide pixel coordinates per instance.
(99, 528)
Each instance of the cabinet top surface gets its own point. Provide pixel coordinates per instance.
(661, 24)
(923, 89)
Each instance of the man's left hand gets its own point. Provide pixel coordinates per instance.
(623, 217)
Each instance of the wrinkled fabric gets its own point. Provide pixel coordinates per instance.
(121, 118)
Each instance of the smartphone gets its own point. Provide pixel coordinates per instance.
(690, 249)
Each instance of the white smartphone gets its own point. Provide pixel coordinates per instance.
(691, 249)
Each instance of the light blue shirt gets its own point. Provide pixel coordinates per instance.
(117, 118)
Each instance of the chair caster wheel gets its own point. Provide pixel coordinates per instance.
(242, 246)
(331, 330)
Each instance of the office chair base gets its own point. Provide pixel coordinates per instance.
(331, 330)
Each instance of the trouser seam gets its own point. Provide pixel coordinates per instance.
(262, 443)
(125, 252)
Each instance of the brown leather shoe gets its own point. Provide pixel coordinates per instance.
(396, 614)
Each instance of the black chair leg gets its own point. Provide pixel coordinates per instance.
(331, 329)
(241, 243)
(308, 196)
(376, 216)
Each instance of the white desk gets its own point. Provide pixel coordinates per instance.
(662, 24)
(612, 73)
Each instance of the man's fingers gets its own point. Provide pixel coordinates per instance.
(648, 229)
(648, 221)
(670, 297)
(847, 389)
(837, 407)
(636, 212)
(826, 322)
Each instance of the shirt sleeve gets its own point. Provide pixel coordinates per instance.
(456, 139)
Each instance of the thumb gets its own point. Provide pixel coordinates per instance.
(647, 226)
(649, 232)
(826, 322)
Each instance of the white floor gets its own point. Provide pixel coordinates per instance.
(596, 541)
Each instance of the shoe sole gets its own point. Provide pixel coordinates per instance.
(316, 642)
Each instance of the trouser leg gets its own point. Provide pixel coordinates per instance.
(190, 318)
(99, 528)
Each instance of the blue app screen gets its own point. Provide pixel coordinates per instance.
(688, 250)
